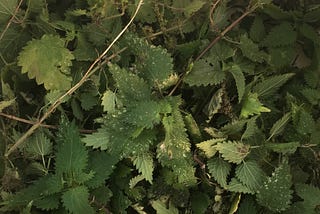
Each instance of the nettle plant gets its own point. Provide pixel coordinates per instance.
(173, 129)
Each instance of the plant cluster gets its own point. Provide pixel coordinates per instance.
(200, 107)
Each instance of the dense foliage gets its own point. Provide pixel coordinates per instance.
(199, 107)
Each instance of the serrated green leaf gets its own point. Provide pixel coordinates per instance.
(193, 7)
(76, 109)
(145, 114)
(248, 206)
(154, 64)
(312, 95)
(238, 76)
(251, 106)
(222, 51)
(251, 128)
(39, 145)
(205, 72)
(135, 180)
(284, 148)
(71, 154)
(102, 194)
(99, 139)
(271, 84)
(282, 56)
(41, 188)
(250, 174)
(131, 87)
(234, 127)
(304, 124)
(208, 146)
(275, 193)
(280, 35)
(220, 15)
(279, 126)
(234, 152)
(144, 164)
(76, 200)
(84, 50)
(220, 170)
(50, 202)
(276, 12)
(309, 32)
(161, 208)
(102, 164)
(251, 50)
(6, 103)
(88, 100)
(257, 30)
(109, 101)
(310, 195)
(174, 150)
(48, 61)
(146, 13)
(236, 186)
(199, 202)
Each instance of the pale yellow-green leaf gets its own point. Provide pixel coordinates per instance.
(161, 208)
(234, 152)
(208, 146)
(252, 106)
(5, 104)
(109, 101)
(48, 61)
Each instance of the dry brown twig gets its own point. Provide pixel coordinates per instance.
(12, 117)
(88, 73)
(11, 19)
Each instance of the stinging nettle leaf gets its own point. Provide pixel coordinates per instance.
(250, 174)
(219, 169)
(161, 207)
(257, 30)
(251, 106)
(238, 76)
(109, 101)
(6, 103)
(234, 152)
(71, 154)
(208, 146)
(275, 193)
(281, 35)
(284, 148)
(271, 84)
(310, 195)
(205, 72)
(154, 64)
(144, 164)
(251, 128)
(39, 145)
(76, 200)
(251, 50)
(236, 186)
(279, 126)
(48, 61)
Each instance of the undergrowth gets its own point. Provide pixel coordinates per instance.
(200, 107)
